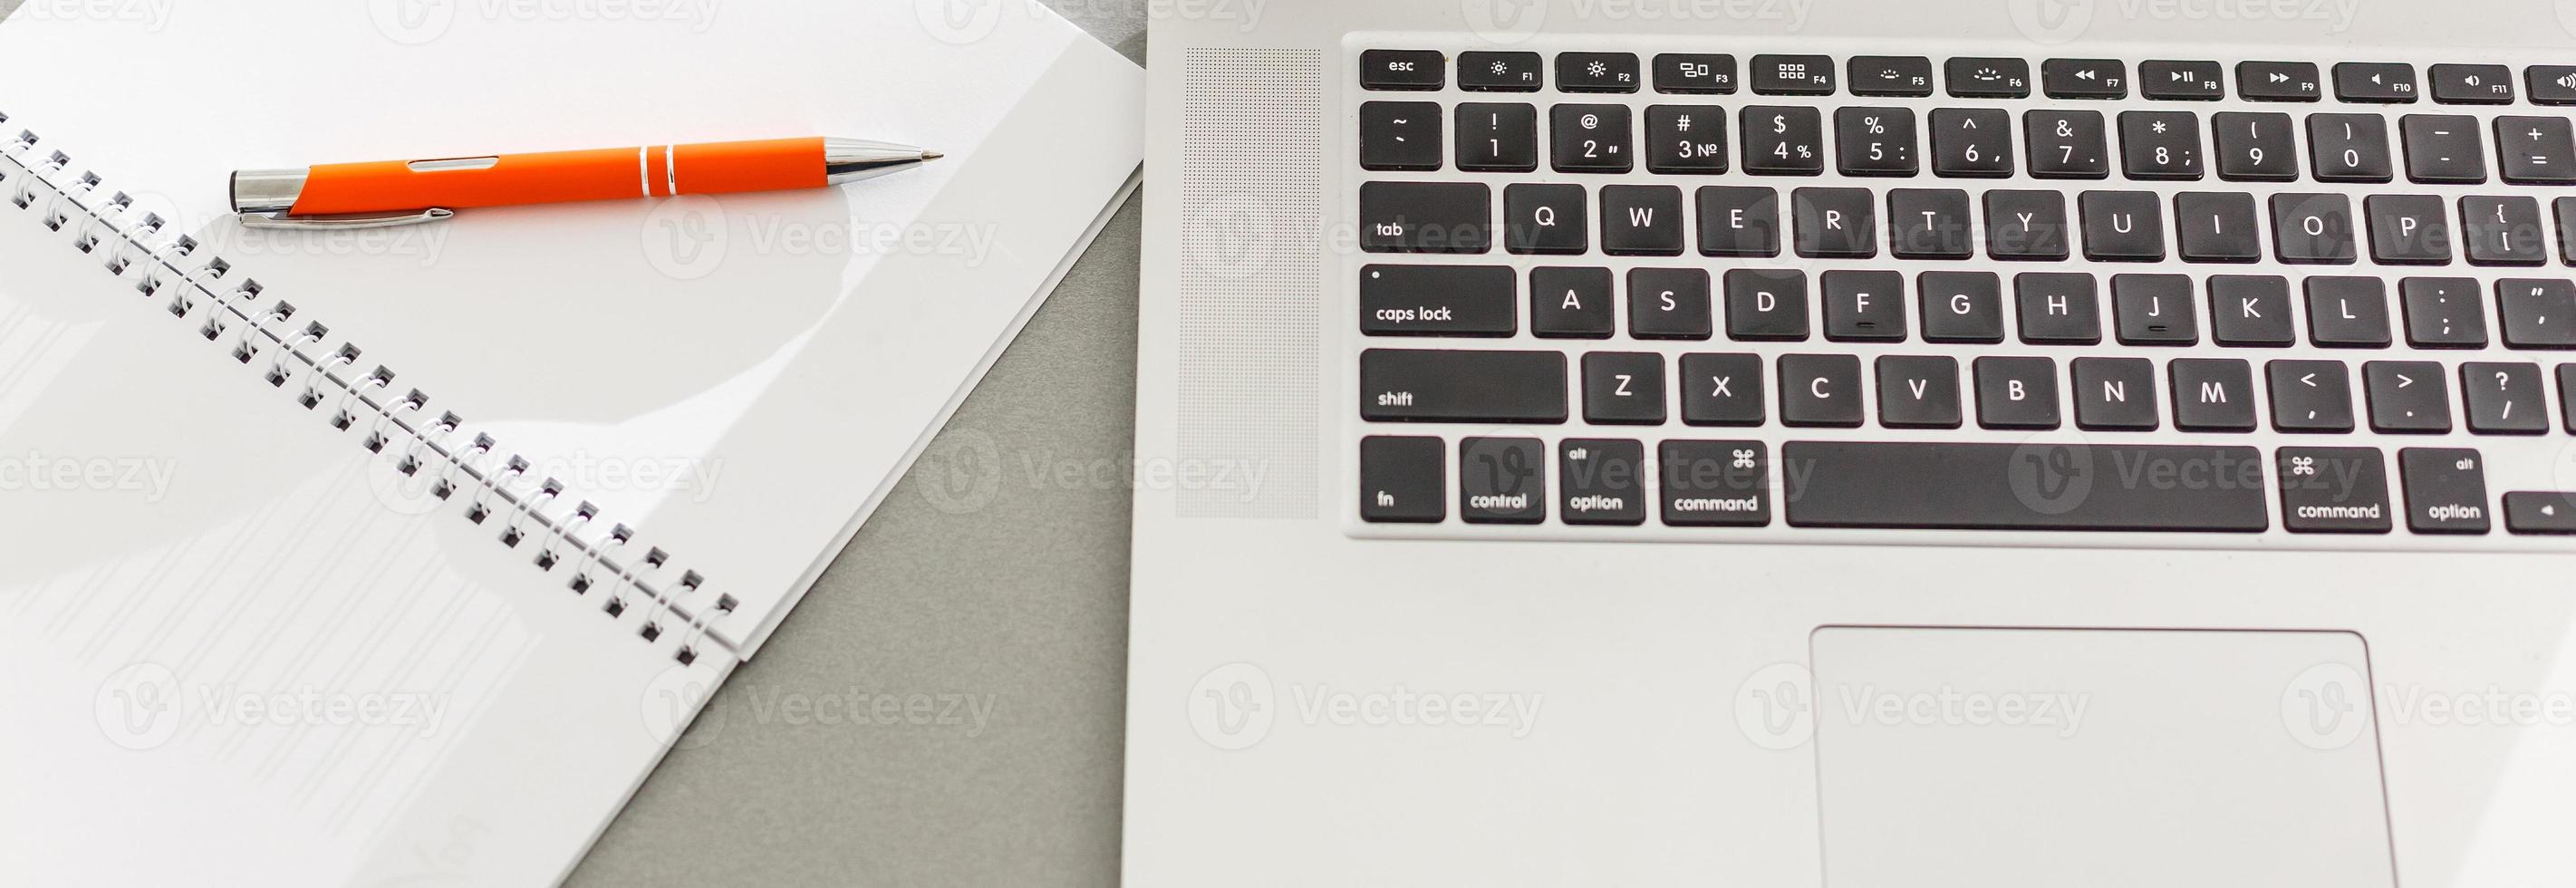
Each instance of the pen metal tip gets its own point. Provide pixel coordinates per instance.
(928, 156)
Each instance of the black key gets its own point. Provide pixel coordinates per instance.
(2310, 396)
(2333, 490)
(1426, 217)
(2407, 397)
(2058, 308)
(2022, 486)
(1497, 137)
(1971, 142)
(2472, 84)
(2347, 312)
(2066, 144)
(2390, 83)
(2407, 229)
(2115, 394)
(2193, 81)
(1590, 139)
(2349, 148)
(1641, 220)
(2504, 398)
(1403, 480)
(1400, 135)
(1918, 392)
(2312, 228)
(2254, 147)
(1438, 300)
(2443, 312)
(1668, 303)
(1739, 221)
(1596, 72)
(2250, 310)
(2503, 231)
(1961, 306)
(2277, 81)
(1820, 391)
(1399, 385)
(1890, 76)
(1502, 480)
(1793, 75)
(2160, 145)
(1623, 388)
(1864, 306)
(2565, 208)
(2084, 78)
(2446, 489)
(1722, 390)
(2537, 313)
(2026, 225)
(2122, 226)
(1500, 72)
(1875, 141)
(1695, 73)
(2551, 84)
(1988, 78)
(1783, 141)
(1766, 305)
(1716, 483)
(2442, 149)
(1570, 303)
(1834, 223)
(2534, 512)
(1928, 223)
(2217, 227)
(1545, 219)
(2212, 394)
(1686, 139)
(2153, 309)
(1603, 481)
(2535, 150)
(1403, 69)
(2016, 393)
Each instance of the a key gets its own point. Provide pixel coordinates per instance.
(1641, 220)
(1960, 486)
(2551, 84)
(1783, 141)
(1890, 76)
(2310, 396)
(1961, 306)
(1864, 306)
(1686, 139)
(2212, 394)
(2407, 397)
(1715, 483)
(1975, 77)
(1570, 303)
(1722, 390)
(2058, 308)
(2016, 393)
(2066, 144)
(2254, 147)
(1497, 137)
(2472, 84)
(2084, 78)
(2390, 83)
(1623, 388)
(1601, 481)
(2312, 228)
(2115, 394)
(2347, 312)
(2026, 225)
(1403, 69)
(2122, 226)
(2216, 226)
(2443, 312)
(1545, 219)
(1834, 223)
(1403, 479)
(2442, 149)
(1793, 75)
(1820, 391)
(1426, 217)
(2535, 150)
(2153, 309)
(2446, 489)
(1438, 300)
(2504, 398)
(2503, 231)
(1875, 141)
(2277, 81)
(1739, 221)
(1500, 72)
(1668, 303)
(2190, 81)
(1766, 305)
(1918, 392)
(1928, 223)
(1590, 139)
(2407, 229)
(1971, 142)
(1688, 73)
(2534, 512)
(2537, 313)
(2333, 490)
(1596, 72)
(2250, 311)
(2349, 148)
(1400, 135)
(1502, 480)
(2160, 145)
(1400, 385)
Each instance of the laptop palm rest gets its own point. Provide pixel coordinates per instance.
(2052, 757)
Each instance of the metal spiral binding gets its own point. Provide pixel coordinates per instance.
(100, 222)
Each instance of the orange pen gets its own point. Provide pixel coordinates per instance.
(397, 192)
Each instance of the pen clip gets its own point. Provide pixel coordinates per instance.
(362, 220)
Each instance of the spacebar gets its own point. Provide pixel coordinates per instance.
(2036, 486)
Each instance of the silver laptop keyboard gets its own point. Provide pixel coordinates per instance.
(1659, 291)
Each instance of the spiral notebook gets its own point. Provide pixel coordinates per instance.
(400, 556)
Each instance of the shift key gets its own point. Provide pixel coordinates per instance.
(1420, 385)
(1438, 300)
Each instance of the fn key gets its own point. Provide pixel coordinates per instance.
(1403, 480)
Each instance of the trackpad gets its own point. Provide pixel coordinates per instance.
(2044, 757)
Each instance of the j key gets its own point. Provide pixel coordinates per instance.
(2443, 312)
(1403, 69)
(2380, 82)
(1400, 135)
(1590, 138)
(2153, 309)
(2181, 80)
(1928, 223)
(1685, 73)
(1400, 385)
(1668, 303)
(1793, 75)
(2250, 311)
(2115, 394)
(1961, 306)
(1783, 141)
(2122, 226)
(1988, 78)
(2254, 147)
(1403, 479)
(1502, 480)
(1918, 392)
(1864, 306)
(1623, 388)
(2407, 229)
(1821, 391)
(2504, 398)
(1722, 390)
(2527, 511)
(1426, 217)
(2027, 225)
(2407, 397)
(2472, 84)
(2058, 308)
(2212, 394)
(2349, 148)
(2537, 313)
(1603, 481)
(1596, 72)
(1545, 219)
(2312, 228)
(2217, 227)
(1497, 137)
(1641, 220)
(1891, 76)
(1570, 303)
(1686, 139)
(2535, 150)
(1766, 305)
(2347, 312)
(1500, 72)
(2446, 489)
(1875, 141)
(1834, 223)
(2160, 144)
(1715, 483)
(2551, 84)
(1438, 300)
(2503, 231)
(2310, 396)
(1739, 221)
(2277, 81)
(2333, 490)
(1971, 142)
(2022, 487)
(2443, 148)
(2084, 78)
(2066, 144)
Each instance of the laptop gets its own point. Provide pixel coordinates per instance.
(1856, 444)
